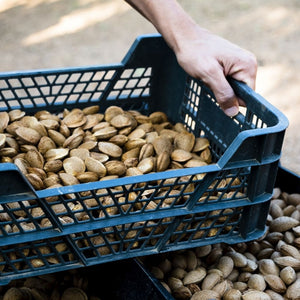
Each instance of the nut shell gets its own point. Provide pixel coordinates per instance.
(110, 149)
(74, 165)
(28, 135)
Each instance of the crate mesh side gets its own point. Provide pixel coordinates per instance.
(136, 200)
(247, 119)
(20, 217)
(227, 186)
(36, 256)
(206, 226)
(122, 239)
(133, 83)
(195, 93)
(48, 90)
(126, 200)
(149, 197)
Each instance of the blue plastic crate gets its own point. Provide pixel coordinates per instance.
(245, 150)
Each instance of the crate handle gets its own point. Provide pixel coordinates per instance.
(269, 138)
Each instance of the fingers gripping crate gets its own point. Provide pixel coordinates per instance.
(54, 229)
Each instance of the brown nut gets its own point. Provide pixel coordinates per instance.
(75, 118)
(110, 149)
(28, 135)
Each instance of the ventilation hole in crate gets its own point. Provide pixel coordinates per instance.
(28, 102)
(139, 72)
(69, 87)
(146, 92)
(237, 122)
(74, 78)
(109, 75)
(60, 99)
(3, 84)
(14, 83)
(61, 79)
(45, 90)
(98, 75)
(136, 92)
(254, 120)
(86, 77)
(127, 73)
(131, 83)
(113, 95)
(120, 84)
(143, 82)
(51, 78)
(3, 106)
(79, 88)
(13, 104)
(259, 123)
(21, 93)
(84, 98)
(193, 97)
(102, 86)
(73, 98)
(124, 94)
(96, 97)
(55, 90)
(39, 80)
(34, 92)
(46, 100)
(7, 94)
(243, 110)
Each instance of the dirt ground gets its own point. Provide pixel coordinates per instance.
(38, 34)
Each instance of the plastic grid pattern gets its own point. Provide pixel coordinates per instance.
(73, 87)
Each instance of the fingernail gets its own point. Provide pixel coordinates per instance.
(231, 111)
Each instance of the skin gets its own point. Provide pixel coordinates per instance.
(201, 53)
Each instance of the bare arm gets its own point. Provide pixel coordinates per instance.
(200, 53)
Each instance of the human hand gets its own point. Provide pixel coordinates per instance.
(200, 53)
(211, 58)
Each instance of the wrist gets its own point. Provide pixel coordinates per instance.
(187, 34)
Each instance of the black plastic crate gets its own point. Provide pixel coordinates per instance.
(126, 279)
(120, 280)
(286, 180)
(230, 197)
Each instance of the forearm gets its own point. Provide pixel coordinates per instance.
(168, 17)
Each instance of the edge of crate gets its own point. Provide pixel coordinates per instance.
(287, 180)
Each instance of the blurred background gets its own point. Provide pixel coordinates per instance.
(38, 34)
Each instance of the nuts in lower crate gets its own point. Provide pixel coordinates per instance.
(72, 285)
(267, 268)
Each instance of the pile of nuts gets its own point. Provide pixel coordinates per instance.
(83, 145)
(68, 285)
(266, 269)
